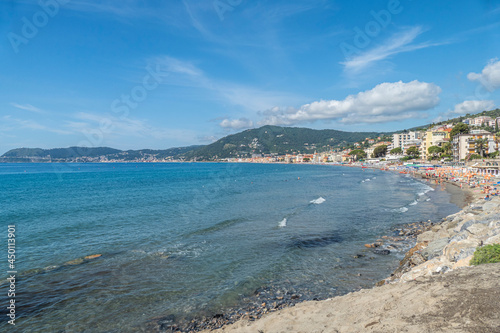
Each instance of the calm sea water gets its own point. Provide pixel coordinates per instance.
(192, 239)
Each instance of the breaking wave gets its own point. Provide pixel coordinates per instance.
(318, 201)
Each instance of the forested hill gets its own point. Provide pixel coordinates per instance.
(264, 140)
(277, 140)
(97, 154)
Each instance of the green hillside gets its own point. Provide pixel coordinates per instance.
(277, 140)
(60, 153)
(74, 153)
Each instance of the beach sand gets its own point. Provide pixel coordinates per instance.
(461, 301)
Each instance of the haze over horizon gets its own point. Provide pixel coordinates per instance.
(148, 74)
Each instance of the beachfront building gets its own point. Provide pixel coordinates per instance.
(489, 167)
(369, 150)
(406, 140)
(434, 137)
(464, 145)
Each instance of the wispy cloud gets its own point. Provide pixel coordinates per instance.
(110, 126)
(185, 73)
(27, 107)
(16, 124)
(397, 43)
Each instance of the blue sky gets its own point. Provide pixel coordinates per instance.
(136, 74)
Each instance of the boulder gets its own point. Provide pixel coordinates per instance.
(419, 246)
(460, 236)
(478, 230)
(416, 259)
(427, 236)
(425, 269)
(456, 251)
(462, 262)
(93, 256)
(383, 252)
(490, 206)
(493, 240)
(435, 248)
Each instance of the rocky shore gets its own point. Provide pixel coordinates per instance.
(271, 298)
(433, 290)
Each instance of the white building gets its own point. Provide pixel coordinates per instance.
(465, 144)
(406, 139)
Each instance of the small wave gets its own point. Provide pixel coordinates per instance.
(218, 226)
(374, 178)
(399, 210)
(318, 201)
(367, 180)
(428, 199)
(421, 194)
(414, 203)
(282, 224)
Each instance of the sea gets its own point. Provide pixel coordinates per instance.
(187, 240)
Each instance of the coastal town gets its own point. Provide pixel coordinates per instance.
(473, 138)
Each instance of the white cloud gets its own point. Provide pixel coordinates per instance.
(236, 124)
(398, 43)
(473, 107)
(384, 103)
(27, 107)
(489, 77)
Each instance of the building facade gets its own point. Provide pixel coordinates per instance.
(465, 145)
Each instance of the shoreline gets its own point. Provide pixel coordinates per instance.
(267, 300)
(442, 253)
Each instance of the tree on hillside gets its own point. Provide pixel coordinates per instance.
(481, 146)
(434, 151)
(412, 152)
(380, 151)
(358, 154)
(460, 128)
(396, 151)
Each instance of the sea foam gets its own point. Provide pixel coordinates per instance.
(318, 201)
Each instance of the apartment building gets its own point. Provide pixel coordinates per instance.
(406, 140)
(464, 145)
(434, 137)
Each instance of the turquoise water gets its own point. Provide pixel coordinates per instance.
(193, 239)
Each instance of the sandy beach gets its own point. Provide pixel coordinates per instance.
(433, 290)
